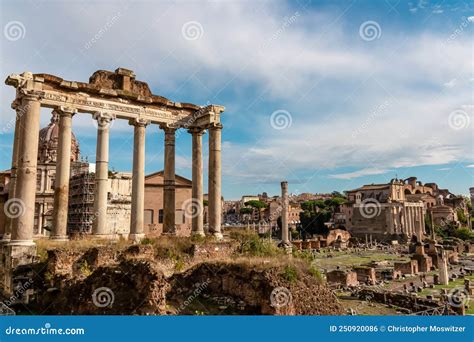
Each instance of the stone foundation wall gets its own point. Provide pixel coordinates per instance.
(343, 278)
(365, 274)
(409, 267)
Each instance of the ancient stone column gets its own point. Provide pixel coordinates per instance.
(138, 181)
(16, 105)
(169, 194)
(421, 224)
(443, 268)
(285, 240)
(63, 166)
(214, 182)
(390, 218)
(99, 228)
(410, 222)
(197, 191)
(22, 229)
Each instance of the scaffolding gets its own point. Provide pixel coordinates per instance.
(81, 199)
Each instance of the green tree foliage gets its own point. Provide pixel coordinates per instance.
(464, 233)
(256, 204)
(312, 222)
(246, 210)
(316, 213)
(461, 217)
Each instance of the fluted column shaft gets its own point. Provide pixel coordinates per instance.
(22, 229)
(410, 222)
(99, 228)
(214, 183)
(197, 190)
(138, 181)
(63, 166)
(169, 196)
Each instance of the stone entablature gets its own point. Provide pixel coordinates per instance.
(115, 93)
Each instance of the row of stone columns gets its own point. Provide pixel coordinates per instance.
(24, 169)
(413, 220)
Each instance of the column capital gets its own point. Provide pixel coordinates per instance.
(169, 129)
(64, 111)
(16, 104)
(104, 116)
(30, 94)
(197, 131)
(139, 122)
(103, 119)
(215, 126)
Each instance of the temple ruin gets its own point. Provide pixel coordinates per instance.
(107, 96)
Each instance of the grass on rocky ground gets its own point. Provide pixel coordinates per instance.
(253, 250)
(43, 245)
(343, 259)
(458, 283)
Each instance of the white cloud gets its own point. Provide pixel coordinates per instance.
(359, 173)
(470, 166)
(451, 83)
(470, 19)
(332, 83)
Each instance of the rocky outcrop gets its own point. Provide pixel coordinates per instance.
(137, 280)
(263, 291)
(131, 287)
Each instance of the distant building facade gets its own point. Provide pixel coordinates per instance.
(383, 212)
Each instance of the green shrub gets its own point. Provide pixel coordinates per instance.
(85, 269)
(464, 233)
(315, 273)
(253, 245)
(147, 241)
(290, 273)
(304, 255)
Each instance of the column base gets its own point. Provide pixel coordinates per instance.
(24, 243)
(218, 235)
(6, 238)
(15, 253)
(287, 246)
(198, 234)
(136, 237)
(62, 238)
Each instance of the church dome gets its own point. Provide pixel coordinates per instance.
(48, 142)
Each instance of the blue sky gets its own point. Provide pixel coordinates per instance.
(329, 95)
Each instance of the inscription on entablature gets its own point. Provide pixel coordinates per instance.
(116, 107)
